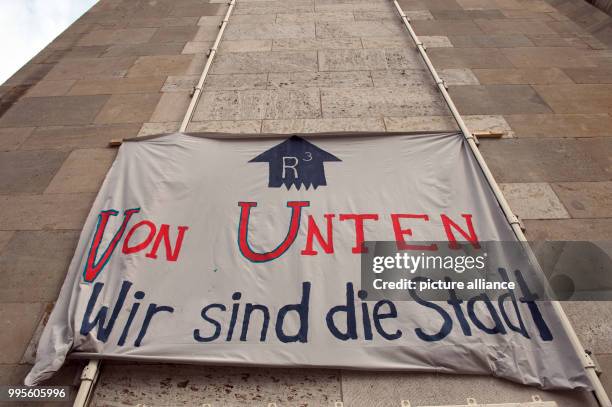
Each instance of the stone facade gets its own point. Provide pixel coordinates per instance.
(528, 68)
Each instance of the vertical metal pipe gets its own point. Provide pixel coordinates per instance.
(91, 371)
(211, 56)
(598, 389)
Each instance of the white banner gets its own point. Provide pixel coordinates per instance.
(246, 251)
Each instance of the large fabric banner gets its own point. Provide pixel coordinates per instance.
(225, 249)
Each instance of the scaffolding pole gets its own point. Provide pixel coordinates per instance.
(514, 222)
(91, 371)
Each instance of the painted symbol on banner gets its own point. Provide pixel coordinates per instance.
(297, 162)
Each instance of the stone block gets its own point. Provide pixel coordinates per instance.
(557, 40)
(459, 14)
(122, 384)
(376, 102)
(534, 200)
(359, 29)
(569, 229)
(490, 41)
(557, 125)
(406, 77)
(53, 110)
(492, 123)
(322, 125)
(174, 34)
(497, 99)
(421, 123)
(468, 58)
(316, 44)
(435, 41)
(490, 5)
(161, 65)
(446, 27)
(259, 104)
(352, 60)
(70, 137)
(590, 75)
(117, 36)
(35, 264)
(183, 83)
(387, 42)
(236, 81)
(83, 171)
(362, 15)
(585, 99)
(298, 80)
(50, 88)
(82, 68)
(171, 107)
(586, 199)
(226, 126)
(28, 171)
(270, 31)
(591, 321)
(152, 49)
(148, 129)
(274, 7)
(197, 47)
(247, 45)
(47, 211)
(526, 76)
(513, 26)
(13, 137)
(259, 62)
(19, 320)
(128, 108)
(545, 160)
(201, 9)
(543, 57)
(458, 76)
(142, 84)
(335, 16)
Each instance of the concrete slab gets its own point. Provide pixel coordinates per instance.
(13, 137)
(322, 125)
(247, 46)
(543, 57)
(69, 137)
(83, 171)
(28, 171)
(48, 111)
(139, 50)
(513, 26)
(174, 34)
(259, 104)
(446, 27)
(387, 42)
(359, 29)
(128, 108)
(260, 62)
(491, 123)
(19, 320)
(404, 77)
(117, 36)
(274, 7)
(590, 75)
(586, 199)
(47, 211)
(590, 320)
(181, 83)
(435, 41)
(35, 264)
(535, 200)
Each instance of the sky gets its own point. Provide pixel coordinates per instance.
(27, 26)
